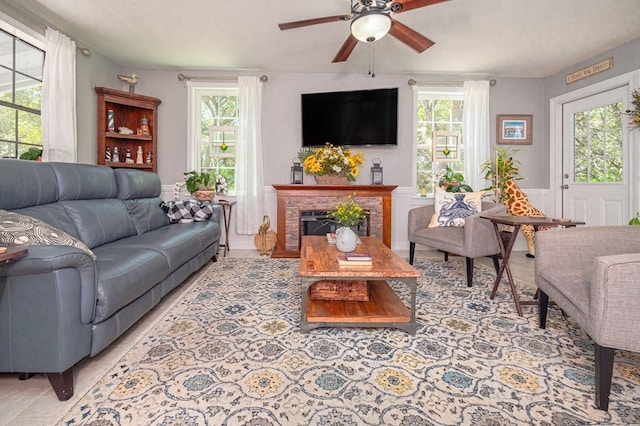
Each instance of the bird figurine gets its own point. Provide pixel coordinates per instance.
(132, 80)
(262, 232)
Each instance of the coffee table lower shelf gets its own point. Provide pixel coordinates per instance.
(383, 309)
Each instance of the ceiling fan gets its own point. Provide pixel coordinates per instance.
(370, 21)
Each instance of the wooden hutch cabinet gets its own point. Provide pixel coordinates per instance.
(129, 110)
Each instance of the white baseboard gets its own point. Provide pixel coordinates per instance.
(404, 199)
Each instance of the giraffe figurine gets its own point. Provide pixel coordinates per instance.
(518, 204)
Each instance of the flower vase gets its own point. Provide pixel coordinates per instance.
(346, 239)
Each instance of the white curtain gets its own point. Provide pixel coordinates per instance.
(249, 175)
(475, 122)
(59, 139)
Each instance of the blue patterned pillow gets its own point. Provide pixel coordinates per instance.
(22, 230)
(453, 208)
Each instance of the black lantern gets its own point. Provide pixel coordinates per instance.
(376, 172)
(297, 174)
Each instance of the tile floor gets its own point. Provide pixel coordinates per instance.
(33, 402)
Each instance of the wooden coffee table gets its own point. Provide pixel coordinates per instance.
(383, 309)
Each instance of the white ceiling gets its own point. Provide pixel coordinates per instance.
(516, 38)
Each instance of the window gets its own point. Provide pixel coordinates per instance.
(214, 117)
(437, 110)
(598, 144)
(21, 69)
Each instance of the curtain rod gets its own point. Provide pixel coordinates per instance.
(182, 77)
(413, 82)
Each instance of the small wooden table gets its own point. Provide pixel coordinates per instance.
(505, 252)
(226, 220)
(12, 254)
(383, 309)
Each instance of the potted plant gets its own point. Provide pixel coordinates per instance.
(452, 181)
(201, 185)
(347, 214)
(33, 154)
(330, 164)
(500, 171)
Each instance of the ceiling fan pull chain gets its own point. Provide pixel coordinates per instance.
(372, 61)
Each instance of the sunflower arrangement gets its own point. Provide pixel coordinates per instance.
(347, 213)
(635, 112)
(331, 160)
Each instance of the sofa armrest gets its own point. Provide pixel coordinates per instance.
(478, 230)
(217, 213)
(419, 218)
(42, 264)
(613, 310)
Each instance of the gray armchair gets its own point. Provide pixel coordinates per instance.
(591, 273)
(476, 239)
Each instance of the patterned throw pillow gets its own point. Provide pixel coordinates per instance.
(453, 208)
(186, 211)
(22, 230)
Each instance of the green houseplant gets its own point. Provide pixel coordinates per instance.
(201, 185)
(33, 154)
(452, 181)
(347, 214)
(500, 170)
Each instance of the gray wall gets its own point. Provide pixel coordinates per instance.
(93, 71)
(281, 120)
(281, 113)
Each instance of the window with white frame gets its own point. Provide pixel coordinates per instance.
(21, 69)
(214, 117)
(438, 113)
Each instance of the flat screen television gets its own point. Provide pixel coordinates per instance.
(356, 118)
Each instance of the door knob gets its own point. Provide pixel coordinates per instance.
(565, 186)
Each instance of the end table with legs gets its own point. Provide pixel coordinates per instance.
(227, 209)
(505, 251)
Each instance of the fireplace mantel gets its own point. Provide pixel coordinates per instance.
(294, 198)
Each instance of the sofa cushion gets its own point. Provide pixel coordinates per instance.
(22, 230)
(134, 184)
(178, 243)
(100, 221)
(186, 211)
(26, 183)
(146, 214)
(53, 214)
(84, 181)
(125, 273)
(452, 208)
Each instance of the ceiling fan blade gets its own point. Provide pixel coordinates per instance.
(307, 22)
(398, 6)
(411, 38)
(346, 49)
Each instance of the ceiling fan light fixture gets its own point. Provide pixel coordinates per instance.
(371, 26)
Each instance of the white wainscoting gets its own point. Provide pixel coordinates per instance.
(404, 199)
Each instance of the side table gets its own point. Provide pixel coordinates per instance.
(517, 222)
(11, 254)
(227, 209)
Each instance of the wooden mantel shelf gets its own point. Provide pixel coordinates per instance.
(295, 198)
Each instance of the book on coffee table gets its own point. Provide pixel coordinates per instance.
(343, 261)
(358, 256)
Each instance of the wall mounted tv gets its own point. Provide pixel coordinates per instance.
(357, 118)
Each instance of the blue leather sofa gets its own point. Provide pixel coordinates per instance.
(58, 305)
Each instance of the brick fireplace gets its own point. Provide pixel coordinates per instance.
(294, 199)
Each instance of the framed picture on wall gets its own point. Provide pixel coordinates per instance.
(514, 129)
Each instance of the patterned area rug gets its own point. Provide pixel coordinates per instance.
(230, 353)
